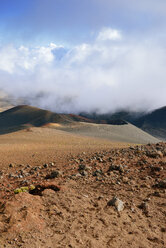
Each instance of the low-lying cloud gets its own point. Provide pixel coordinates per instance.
(113, 72)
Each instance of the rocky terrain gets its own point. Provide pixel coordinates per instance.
(109, 198)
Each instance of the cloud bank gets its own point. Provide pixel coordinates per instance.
(110, 73)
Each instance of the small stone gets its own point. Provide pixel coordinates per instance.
(82, 167)
(144, 207)
(163, 229)
(97, 173)
(125, 180)
(25, 182)
(157, 194)
(155, 168)
(160, 154)
(45, 165)
(117, 203)
(161, 184)
(77, 161)
(11, 165)
(154, 154)
(52, 175)
(100, 159)
(52, 164)
(78, 175)
(133, 210)
(11, 175)
(84, 173)
(116, 168)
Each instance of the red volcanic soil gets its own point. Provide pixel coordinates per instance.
(71, 204)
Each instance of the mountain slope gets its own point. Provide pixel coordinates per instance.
(22, 116)
(153, 123)
(122, 133)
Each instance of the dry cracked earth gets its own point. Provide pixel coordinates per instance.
(112, 198)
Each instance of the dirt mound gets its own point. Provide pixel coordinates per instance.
(85, 211)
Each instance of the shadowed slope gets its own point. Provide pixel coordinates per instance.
(154, 123)
(24, 116)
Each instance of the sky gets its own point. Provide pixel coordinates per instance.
(91, 55)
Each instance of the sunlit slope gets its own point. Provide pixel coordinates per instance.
(121, 133)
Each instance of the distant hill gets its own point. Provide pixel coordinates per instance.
(118, 118)
(153, 123)
(24, 116)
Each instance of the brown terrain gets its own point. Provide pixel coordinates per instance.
(74, 184)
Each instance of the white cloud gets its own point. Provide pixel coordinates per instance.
(99, 75)
(109, 34)
(7, 61)
(14, 60)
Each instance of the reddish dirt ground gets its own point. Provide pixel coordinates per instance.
(70, 205)
(36, 146)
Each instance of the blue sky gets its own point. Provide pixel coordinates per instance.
(73, 55)
(72, 21)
